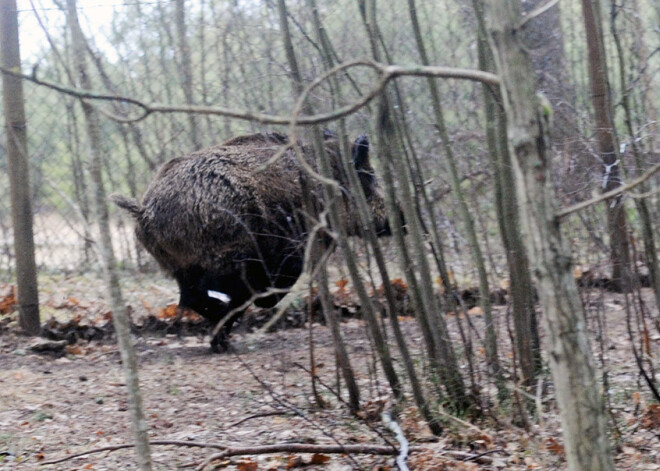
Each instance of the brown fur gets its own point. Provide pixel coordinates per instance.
(221, 219)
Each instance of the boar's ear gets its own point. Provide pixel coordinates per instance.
(361, 153)
(362, 166)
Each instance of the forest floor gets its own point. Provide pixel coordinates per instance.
(55, 405)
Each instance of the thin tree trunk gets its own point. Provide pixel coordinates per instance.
(527, 343)
(186, 71)
(370, 234)
(475, 249)
(434, 328)
(543, 36)
(607, 147)
(328, 309)
(99, 205)
(648, 232)
(578, 393)
(19, 174)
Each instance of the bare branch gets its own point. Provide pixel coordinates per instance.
(257, 416)
(302, 448)
(276, 448)
(539, 11)
(610, 194)
(131, 445)
(387, 73)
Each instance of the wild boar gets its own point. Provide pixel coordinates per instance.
(229, 224)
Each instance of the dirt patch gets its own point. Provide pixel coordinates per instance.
(261, 394)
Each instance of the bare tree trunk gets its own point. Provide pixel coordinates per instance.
(99, 205)
(607, 147)
(527, 343)
(648, 232)
(186, 71)
(650, 93)
(329, 311)
(434, 329)
(468, 223)
(440, 349)
(370, 235)
(19, 175)
(577, 392)
(343, 359)
(543, 38)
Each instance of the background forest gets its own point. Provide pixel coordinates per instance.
(476, 356)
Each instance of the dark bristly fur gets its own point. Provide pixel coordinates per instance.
(220, 219)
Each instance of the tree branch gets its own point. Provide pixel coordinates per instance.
(303, 448)
(539, 11)
(610, 194)
(131, 445)
(387, 73)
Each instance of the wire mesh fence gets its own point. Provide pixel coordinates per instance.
(228, 54)
(175, 54)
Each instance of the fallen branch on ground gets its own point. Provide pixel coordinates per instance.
(257, 416)
(228, 451)
(249, 450)
(303, 448)
(130, 445)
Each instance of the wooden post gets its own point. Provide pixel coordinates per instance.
(19, 178)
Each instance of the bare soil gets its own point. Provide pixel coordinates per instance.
(56, 405)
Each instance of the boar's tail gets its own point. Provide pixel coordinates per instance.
(129, 204)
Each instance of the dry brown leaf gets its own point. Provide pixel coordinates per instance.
(341, 284)
(8, 301)
(398, 283)
(72, 301)
(168, 312)
(319, 458)
(553, 446)
(651, 417)
(294, 461)
(247, 465)
(73, 350)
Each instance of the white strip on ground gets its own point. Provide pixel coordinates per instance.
(403, 450)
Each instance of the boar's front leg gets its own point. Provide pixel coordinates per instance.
(220, 341)
(200, 291)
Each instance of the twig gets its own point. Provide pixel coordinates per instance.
(248, 450)
(290, 406)
(130, 445)
(605, 196)
(539, 11)
(480, 455)
(641, 196)
(303, 448)
(387, 72)
(256, 416)
(344, 402)
(462, 422)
